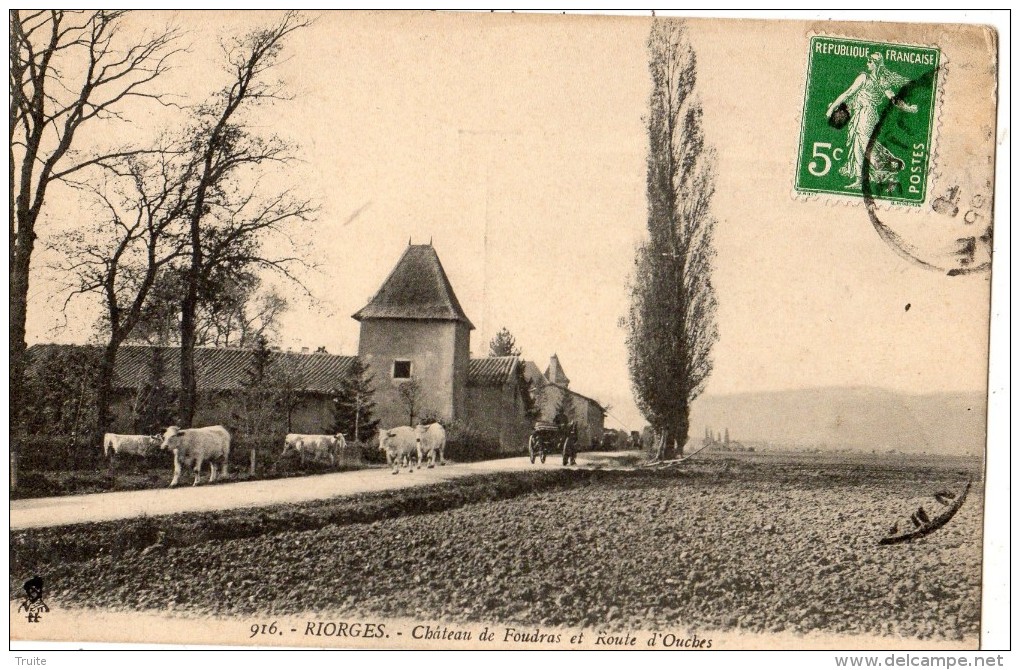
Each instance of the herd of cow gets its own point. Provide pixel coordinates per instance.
(194, 447)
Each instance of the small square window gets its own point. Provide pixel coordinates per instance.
(401, 369)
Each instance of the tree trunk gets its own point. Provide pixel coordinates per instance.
(21, 254)
(189, 305)
(681, 432)
(673, 438)
(667, 445)
(683, 426)
(357, 418)
(678, 432)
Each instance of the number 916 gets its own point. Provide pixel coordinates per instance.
(264, 629)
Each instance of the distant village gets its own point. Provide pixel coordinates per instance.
(722, 442)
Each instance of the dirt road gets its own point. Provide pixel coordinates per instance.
(63, 510)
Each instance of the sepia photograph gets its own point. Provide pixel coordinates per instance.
(501, 331)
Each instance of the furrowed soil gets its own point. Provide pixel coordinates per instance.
(757, 542)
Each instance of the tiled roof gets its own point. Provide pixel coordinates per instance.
(550, 395)
(491, 370)
(533, 374)
(417, 288)
(574, 393)
(220, 368)
(554, 373)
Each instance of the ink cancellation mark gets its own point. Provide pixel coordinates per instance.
(944, 243)
(851, 86)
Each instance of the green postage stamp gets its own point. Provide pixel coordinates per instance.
(869, 110)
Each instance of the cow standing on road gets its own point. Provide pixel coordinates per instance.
(400, 443)
(194, 446)
(433, 440)
(316, 446)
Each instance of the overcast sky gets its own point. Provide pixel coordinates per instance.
(516, 144)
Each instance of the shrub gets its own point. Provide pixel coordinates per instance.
(465, 443)
(59, 392)
(267, 453)
(48, 453)
(35, 485)
(270, 461)
(370, 450)
(291, 464)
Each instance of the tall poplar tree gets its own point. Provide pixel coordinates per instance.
(671, 325)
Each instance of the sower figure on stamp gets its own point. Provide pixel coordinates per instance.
(862, 103)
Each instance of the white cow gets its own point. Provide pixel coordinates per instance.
(316, 446)
(432, 439)
(400, 443)
(194, 446)
(135, 445)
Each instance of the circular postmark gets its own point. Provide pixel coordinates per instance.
(958, 240)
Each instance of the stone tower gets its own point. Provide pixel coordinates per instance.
(554, 373)
(415, 328)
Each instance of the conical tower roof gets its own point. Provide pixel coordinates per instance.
(417, 288)
(554, 373)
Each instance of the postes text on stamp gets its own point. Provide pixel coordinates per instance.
(866, 129)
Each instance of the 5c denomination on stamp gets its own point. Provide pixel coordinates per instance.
(851, 86)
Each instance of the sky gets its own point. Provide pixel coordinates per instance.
(517, 146)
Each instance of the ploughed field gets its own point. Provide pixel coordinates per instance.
(751, 542)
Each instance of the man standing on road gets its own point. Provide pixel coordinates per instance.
(570, 444)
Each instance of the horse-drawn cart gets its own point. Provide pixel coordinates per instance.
(544, 439)
(550, 438)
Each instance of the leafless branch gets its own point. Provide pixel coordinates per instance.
(221, 147)
(66, 70)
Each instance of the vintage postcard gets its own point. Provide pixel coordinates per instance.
(499, 331)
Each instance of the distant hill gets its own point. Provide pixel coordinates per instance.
(862, 418)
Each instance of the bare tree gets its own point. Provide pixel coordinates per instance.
(160, 323)
(121, 258)
(222, 146)
(671, 324)
(411, 395)
(232, 312)
(240, 316)
(68, 70)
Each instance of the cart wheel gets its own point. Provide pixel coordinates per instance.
(532, 457)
